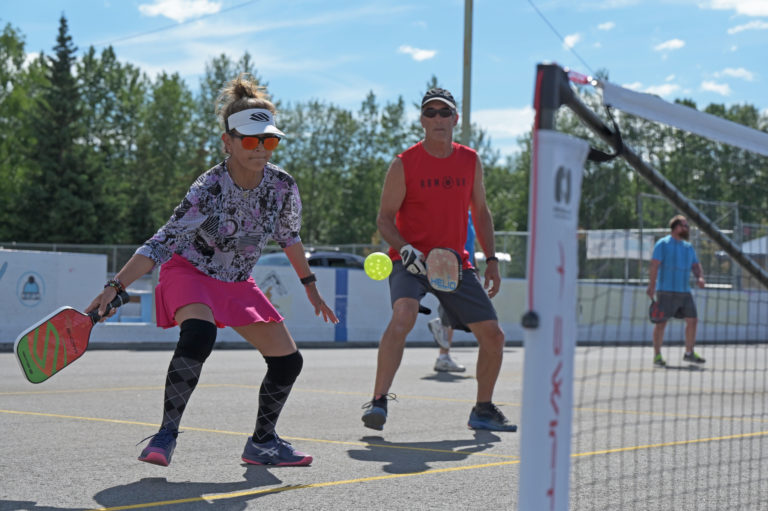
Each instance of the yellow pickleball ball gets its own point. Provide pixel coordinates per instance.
(378, 266)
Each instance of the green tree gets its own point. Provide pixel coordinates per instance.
(66, 186)
(14, 126)
(364, 177)
(320, 138)
(166, 158)
(744, 174)
(113, 95)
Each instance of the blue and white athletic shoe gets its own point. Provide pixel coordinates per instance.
(492, 419)
(277, 452)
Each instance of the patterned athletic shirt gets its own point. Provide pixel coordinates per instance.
(221, 228)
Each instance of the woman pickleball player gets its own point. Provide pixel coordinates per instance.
(207, 251)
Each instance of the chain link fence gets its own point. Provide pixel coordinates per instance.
(611, 256)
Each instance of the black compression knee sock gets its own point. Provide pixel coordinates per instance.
(274, 391)
(195, 343)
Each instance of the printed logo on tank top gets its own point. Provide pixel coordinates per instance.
(446, 182)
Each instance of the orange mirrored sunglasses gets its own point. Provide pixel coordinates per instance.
(251, 142)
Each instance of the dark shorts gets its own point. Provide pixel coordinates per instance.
(469, 304)
(675, 305)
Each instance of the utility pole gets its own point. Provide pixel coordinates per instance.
(466, 93)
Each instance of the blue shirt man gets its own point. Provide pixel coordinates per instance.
(673, 258)
(676, 258)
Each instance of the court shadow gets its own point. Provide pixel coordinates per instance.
(150, 491)
(16, 505)
(688, 367)
(448, 377)
(408, 457)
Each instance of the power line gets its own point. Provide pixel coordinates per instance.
(560, 36)
(168, 27)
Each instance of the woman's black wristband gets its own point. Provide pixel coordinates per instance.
(492, 258)
(308, 279)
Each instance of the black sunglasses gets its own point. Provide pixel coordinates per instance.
(431, 112)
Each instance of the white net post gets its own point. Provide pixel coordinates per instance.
(550, 324)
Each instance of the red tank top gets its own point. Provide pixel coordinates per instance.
(438, 192)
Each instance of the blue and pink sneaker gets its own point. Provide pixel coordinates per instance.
(160, 448)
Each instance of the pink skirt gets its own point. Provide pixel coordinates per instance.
(232, 303)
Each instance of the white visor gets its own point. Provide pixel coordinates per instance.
(253, 121)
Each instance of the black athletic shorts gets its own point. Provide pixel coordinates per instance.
(469, 304)
(674, 305)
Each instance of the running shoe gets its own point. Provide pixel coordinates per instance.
(693, 357)
(375, 414)
(658, 360)
(438, 333)
(276, 452)
(160, 448)
(445, 364)
(491, 419)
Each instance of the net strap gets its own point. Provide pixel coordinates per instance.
(598, 156)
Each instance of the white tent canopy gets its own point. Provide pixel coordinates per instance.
(757, 246)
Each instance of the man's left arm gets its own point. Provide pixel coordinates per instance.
(483, 221)
(699, 274)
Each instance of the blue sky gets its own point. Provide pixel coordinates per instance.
(711, 51)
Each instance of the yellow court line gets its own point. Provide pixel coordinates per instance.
(669, 444)
(238, 433)
(211, 498)
(668, 414)
(250, 387)
(78, 391)
(682, 390)
(114, 389)
(404, 397)
(232, 495)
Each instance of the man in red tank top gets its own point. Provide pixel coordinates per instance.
(427, 193)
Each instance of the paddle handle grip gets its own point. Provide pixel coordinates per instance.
(121, 299)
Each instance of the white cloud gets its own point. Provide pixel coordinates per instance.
(608, 25)
(417, 54)
(662, 90)
(29, 58)
(180, 10)
(571, 40)
(672, 44)
(752, 25)
(669, 78)
(720, 88)
(740, 72)
(633, 86)
(506, 122)
(746, 7)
